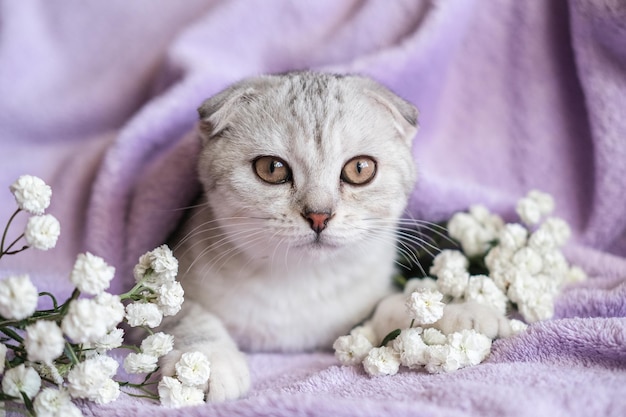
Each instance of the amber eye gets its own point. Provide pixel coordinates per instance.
(272, 169)
(359, 170)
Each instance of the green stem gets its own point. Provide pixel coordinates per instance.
(52, 297)
(130, 293)
(412, 323)
(131, 347)
(6, 229)
(391, 336)
(66, 305)
(8, 251)
(69, 352)
(12, 335)
(147, 394)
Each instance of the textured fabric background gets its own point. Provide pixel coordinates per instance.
(99, 99)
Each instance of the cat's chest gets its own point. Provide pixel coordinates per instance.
(296, 308)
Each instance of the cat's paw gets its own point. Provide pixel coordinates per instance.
(472, 315)
(230, 376)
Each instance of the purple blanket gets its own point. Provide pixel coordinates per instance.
(99, 99)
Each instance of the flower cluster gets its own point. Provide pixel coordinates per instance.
(525, 267)
(50, 357)
(187, 388)
(414, 347)
(521, 269)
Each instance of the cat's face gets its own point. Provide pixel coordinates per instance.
(306, 164)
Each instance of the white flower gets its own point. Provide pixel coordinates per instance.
(432, 336)
(52, 402)
(173, 394)
(542, 240)
(484, 290)
(382, 361)
(140, 363)
(193, 368)
(91, 380)
(3, 356)
(450, 268)
(523, 287)
(534, 206)
(575, 274)
(411, 347)
(425, 306)
(143, 314)
(473, 346)
(18, 297)
(442, 358)
(512, 237)
(109, 391)
(84, 322)
(158, 344)
(528, 211)
(31, 193)
(449, 259)
(352, 349)
(534, 296)
(554, 265)
(91, 274)
(499, 261)
(558, 228)
(527, 259)
(111, 308)
(544, 200)
(44, 341)
(107, 364)
(158, 267)
(170, 298)
(452, 282)
(475, 230)
(538, 308)
(21, 379)
(42, 232)
(517, 326)
(112, 340)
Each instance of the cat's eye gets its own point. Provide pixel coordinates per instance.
(272, 169)
(359, 170)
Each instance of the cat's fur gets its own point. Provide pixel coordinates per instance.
(256, 274)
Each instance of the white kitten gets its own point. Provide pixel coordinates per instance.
(305, 176)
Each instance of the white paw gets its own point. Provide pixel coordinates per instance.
(390, 315)
(230, 377)
(471, 315)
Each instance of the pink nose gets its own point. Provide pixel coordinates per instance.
(317, 221)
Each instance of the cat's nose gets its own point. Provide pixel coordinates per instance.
(317, 220)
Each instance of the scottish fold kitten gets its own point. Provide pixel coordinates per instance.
(305, 176)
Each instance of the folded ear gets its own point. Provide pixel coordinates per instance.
(404, 113)
(216, 112)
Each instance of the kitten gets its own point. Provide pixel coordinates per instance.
(305, 177)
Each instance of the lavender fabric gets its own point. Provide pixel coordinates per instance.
(99, 99)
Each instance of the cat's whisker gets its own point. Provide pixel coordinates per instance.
(201, 228)
(407, 252)
(217, 263)
(227, 255)
(219, 243)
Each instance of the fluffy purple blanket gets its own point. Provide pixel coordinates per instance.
(99, 100)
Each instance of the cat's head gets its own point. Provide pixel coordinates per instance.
(306, 162)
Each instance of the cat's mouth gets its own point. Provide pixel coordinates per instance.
(322, 242)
